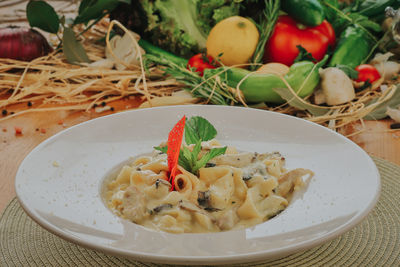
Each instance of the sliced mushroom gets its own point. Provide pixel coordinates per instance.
(203, 198)
(160, 208)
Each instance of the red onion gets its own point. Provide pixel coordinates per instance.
(22, 43)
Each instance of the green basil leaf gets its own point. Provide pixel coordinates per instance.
(207, 157)
(42, 15)
(380, 111)
(295, 101)
(73, 50)
(198, 128)
(94, 10)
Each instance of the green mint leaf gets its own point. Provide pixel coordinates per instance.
(89, 10)
(163, 149)
(73, 50)
(196, 149)
(304, 55)
(42, 15)
(352, 73)
(207, 157)
(185, 159)
(195, 154)
(198, 128)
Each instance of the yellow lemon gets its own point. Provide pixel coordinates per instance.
(235, 38)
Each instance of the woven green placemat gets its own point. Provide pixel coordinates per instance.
(374, 242)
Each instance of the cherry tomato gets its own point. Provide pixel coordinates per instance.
(368, 73)
(200, 62)
(288, 34)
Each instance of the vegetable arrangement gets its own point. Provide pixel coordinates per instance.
(289, 55)
(307, 36)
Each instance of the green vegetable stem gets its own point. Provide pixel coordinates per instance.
(308, 12)
(159, 52)
(303, 77)
(353, 47)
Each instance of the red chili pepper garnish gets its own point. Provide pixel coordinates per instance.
(174, 146)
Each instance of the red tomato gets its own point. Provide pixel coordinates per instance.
(326, 28)
(200, 62)
(368, 73)
(288, 34)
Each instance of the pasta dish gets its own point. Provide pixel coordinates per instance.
(200, 186)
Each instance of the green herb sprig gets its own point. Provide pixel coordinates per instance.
(265, 27)
(197, 130)
(211, 87)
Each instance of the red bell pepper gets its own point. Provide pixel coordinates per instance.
(288, 34)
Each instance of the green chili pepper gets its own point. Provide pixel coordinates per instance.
(353, 47)
(303, 77)
(308, 12)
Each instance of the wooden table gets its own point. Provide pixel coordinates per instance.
(377, 139)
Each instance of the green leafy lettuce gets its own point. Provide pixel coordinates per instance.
(179, 26)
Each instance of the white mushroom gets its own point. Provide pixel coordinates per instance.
(319, 97)
(387, 69)
(336, 86)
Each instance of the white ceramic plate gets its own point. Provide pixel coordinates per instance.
(59, 182)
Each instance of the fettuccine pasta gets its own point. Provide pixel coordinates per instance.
(233, 191)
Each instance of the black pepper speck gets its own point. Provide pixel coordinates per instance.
(395, 126)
